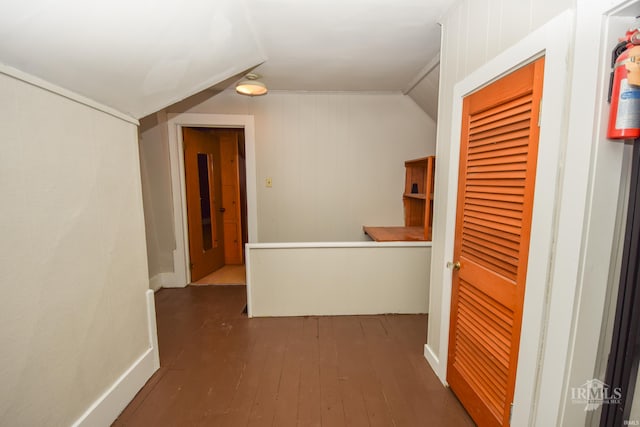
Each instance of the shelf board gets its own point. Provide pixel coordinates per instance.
(395, 234)
(421, 162)
(421, 196)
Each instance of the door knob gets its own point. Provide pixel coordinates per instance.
(455, 266)
(222, 210)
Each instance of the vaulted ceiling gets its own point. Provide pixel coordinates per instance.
(138, 56)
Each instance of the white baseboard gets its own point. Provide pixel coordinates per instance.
(113, 401)
(434, 362)
(153, 329)
(165, 280)
(155, 283)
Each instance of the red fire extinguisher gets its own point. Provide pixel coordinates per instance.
(624, 114)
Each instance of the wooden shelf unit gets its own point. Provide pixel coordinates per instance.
(418, 205)
(418, 194)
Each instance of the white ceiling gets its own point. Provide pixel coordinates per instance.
(139, 56)
(370, 45)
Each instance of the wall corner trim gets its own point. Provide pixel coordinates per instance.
(155, 282)
(434, 362)
(106, 408)
(153, 329)
(65, 93)
(166, 280)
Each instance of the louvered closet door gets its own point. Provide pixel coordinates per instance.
(499, 144)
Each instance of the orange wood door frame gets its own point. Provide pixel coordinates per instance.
(204, 202)
(232, 216)
(498, 157)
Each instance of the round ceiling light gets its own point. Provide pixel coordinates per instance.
(251, 86)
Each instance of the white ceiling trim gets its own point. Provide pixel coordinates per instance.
(72, 96)
(435, 61)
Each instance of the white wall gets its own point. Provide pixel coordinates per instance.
(156, 178)
(292, 279)
(589, 184)
(473, 32)
(599, 25)
(73, 269)
(336, 160)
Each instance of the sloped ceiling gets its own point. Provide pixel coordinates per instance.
(135, 56)
(352, 45)
(139, 56)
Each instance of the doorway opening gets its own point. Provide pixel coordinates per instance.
(216, 204)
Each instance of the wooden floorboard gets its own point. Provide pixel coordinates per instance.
(309, 386)
(219, 368)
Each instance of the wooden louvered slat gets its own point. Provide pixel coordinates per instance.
(501, 125)
(465, 366)
(484, 339)
(497, 143)
(495, 196)
(469, 357)
(495, 200)
(496, 366)
(505, 250)
(493, 343)
(480, 211)
(488, 216)
(505, 130)
(492, 224)
(520, 106)
(516, 158)
(495, 355)
(511, 174)
(499, 108)
(499, 167)
(491, 239)
(493, 373)
(491, 203)
(486, 259)
(491, 154)
(507, 191)
(494, 233)
(512, 217)
(505, 246)
(501, 314)
(509, 224)
(513, 136)
(493, 349)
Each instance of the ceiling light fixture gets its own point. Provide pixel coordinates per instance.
(251, 86)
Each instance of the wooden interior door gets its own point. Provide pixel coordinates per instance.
(498, 156)
(204, 202)
(232, 216)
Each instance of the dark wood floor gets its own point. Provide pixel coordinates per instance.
(219, 368)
